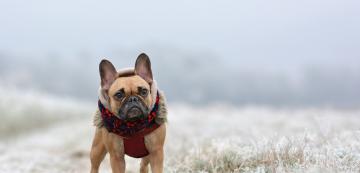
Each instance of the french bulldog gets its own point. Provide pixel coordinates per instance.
(130, 119)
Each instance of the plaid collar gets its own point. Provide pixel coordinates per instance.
(126, 128)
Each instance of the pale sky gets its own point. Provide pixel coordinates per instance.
(261, 32)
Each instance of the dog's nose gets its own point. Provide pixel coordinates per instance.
(133, 99)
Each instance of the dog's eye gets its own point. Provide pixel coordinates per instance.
(143, 92)
(119, 94)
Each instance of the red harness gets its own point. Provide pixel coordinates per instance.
(132, 132)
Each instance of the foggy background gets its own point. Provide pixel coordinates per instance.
(276, 53)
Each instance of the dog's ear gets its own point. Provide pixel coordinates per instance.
(107, 74)
(143, 68)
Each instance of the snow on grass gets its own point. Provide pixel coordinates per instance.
(254, 139)
(26, 111)
(212, 139)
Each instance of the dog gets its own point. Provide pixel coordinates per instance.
(130, 119)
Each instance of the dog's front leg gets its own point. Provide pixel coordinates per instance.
(155, 144)
(98, 151)
(156, 161)
(115, 146)
(117, 163)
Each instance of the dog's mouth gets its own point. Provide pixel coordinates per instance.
(134, 112)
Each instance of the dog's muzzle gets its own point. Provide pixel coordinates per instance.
(133, 107)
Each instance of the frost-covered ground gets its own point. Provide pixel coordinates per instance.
(54, 135)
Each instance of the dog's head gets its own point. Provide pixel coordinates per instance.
(128, 94)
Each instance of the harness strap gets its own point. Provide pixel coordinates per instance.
(135, 145)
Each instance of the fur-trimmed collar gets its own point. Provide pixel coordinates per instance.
(130, 127)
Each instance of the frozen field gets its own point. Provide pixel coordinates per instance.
(54, 135)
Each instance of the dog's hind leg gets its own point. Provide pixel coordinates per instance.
(98, 151)
(144, 168)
